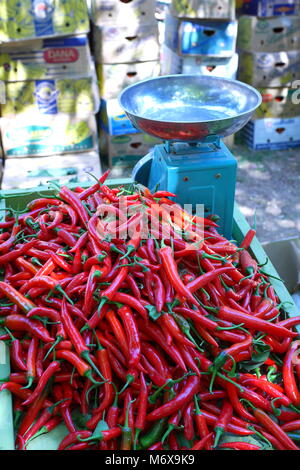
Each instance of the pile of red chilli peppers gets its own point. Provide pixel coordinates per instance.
(133, 343)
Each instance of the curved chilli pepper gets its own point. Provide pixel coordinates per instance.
(250, 321)
(17, 389)
(223, 420)
(14, 296)
(140, 421)
(246, 242)
(248, 264)
(239, 446)
(118, 331)
(72, 438)
(132, 302)
(170, 267)
(48, 373)
(71, 198)
(81, 366)
(188, 422)
(274, 429)
(187, 393)
(16, 354)
(289, 380)
(221, 359)
(133, 335)
(18, 251)
(20, 323)
(205, 278)
(201, 424)
(75, 337)
(200, 445)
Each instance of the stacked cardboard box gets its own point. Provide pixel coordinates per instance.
(126, 50)
(50, 87)
(200, 38)
(269, 48)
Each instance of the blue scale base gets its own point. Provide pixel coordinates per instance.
(200, 173)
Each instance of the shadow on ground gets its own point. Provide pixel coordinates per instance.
(268, 190)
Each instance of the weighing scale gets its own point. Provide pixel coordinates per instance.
(191, 114)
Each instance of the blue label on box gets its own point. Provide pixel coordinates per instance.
(268, 8)
(42, 13)
(46, 96)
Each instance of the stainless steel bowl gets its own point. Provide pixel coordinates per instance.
(189, 107)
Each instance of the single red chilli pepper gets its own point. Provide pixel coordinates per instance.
(7, 244)
(201, 424)
(48, 373)
(75, 202)
(276, 346)
(132, 302)
(205, 278)
(223, 421)
(237, 404)
(189, 431)
(291, 426)
(16, 354)
(64, 393)
(20, 323)
(31, 360)
(184, 396)
(26, 265)
(288, 376)
(248, 264)
(118, 331)
(32, 412)
(105, 368)
(49, 313)
(81, 366)
(14, 296)
(157, 446)
(43, 419)
(174, 330)
(127, 432)
(239, 446)
(61, 263)
(171, 270)
(274, 428)
(89, 290)
(80, 243)
(45, 428)
(159, 293)
(72, 438)
(253, 322)
(132, 285)
(140, 421)
(246, 242)
(290, 322)
(77, 263)
(132, 334)
(200, 445)
(17, 252)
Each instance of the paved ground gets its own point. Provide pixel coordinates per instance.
(268, 188)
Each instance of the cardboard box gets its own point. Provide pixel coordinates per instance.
(172, 63)
(21, 173)
(66, 57)
(78, 96)
(269, 34)
(212, 9)
(26, 135)
(200, 37)
(269, 69)
(120, 12)
(21, 20)
(124, 44)
(278, 102)
(267, 8)
(124, 151)
(113, 78)
(272, 133)
(114, 120)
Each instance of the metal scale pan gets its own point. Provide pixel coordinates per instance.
(191, 114)
(189, 108)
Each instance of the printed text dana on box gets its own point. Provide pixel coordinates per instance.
(296, 94)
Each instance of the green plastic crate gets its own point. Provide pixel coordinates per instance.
(17, 200)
